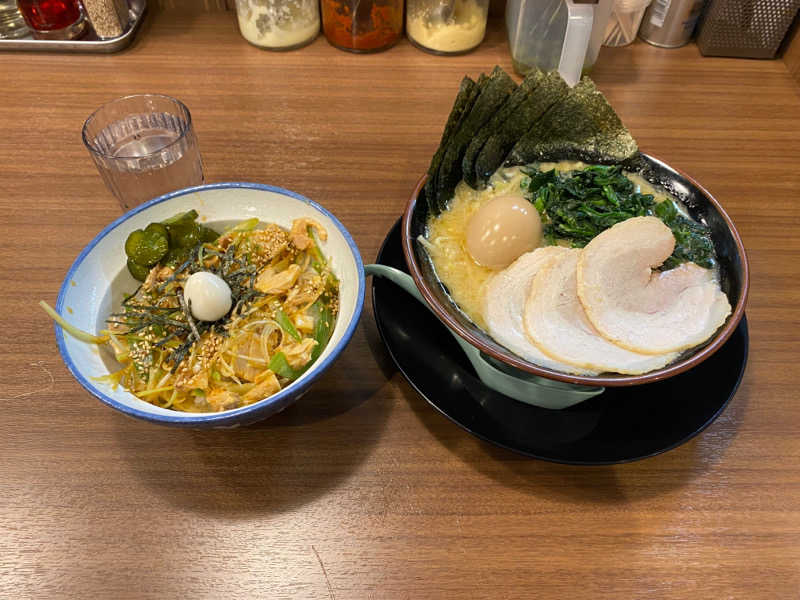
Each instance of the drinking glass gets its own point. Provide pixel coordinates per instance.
(144, 146)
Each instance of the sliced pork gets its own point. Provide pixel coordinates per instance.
(639, 308)
(556, 323)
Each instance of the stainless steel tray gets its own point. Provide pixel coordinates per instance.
(89, 43)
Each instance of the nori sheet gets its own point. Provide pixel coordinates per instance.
(517, 97)
(551, 90)
(493, 95)
(467, 93)
(583, 126)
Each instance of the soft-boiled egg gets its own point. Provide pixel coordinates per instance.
(502, 230)
(208, 296)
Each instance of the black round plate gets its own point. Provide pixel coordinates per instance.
(620, 425)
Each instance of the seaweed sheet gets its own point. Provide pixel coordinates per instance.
(583, 126)
(493, 95)
(467, 93)
(550, 90)
(517, 97)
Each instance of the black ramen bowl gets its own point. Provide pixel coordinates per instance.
(734, 278)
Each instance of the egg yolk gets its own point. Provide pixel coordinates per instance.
(502, 230)
(208, 296)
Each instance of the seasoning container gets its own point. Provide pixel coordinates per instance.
(446, 26)
(278, 24)
(362, 25)
(109, 18)
(12, 25)
(53, 20)
(670, 23)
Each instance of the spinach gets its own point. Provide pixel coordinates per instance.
(579, 205)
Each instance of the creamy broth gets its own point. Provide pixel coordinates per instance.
(445, 236)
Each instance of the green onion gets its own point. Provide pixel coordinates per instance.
(71, 329)
(280, 366)
(247, 225)
(287, 325)
(323, 328)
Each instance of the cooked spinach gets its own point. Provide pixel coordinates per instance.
(578, 205)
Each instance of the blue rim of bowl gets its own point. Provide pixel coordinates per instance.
(274, 403)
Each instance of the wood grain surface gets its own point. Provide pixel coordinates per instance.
(362, 490)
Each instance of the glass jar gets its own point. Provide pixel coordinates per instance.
(278, 24)
(12, 25)
(362, 25)
(53, 19)
(446, 26)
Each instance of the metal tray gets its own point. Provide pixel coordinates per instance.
(89, 43)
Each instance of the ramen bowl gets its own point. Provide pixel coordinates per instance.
(99, 280)
(734, 280)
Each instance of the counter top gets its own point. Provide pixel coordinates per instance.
(361, 489)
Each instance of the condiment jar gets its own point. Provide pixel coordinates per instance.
(362, 25)
(278, 24)
(446, 26)
(61, 20)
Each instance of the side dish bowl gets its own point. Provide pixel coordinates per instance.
(98, 280)
(734, 279)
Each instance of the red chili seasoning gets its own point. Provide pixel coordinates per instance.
(362, 25)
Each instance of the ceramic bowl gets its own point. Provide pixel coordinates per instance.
(98, 280)
(734, 279)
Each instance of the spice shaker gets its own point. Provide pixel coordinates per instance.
(109, 18)
(62, 20)
(670, 23)
(278, 24)
(362, 25)
(446, 26)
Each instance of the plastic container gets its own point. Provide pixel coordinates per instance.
(556, 34)
(446, 26)
(624, 22)
(278, 24)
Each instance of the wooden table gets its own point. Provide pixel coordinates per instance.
(362, 490)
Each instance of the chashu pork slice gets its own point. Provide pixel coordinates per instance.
(555, 321)
(641, 309)
(504, 302)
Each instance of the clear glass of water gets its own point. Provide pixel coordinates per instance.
(144, 146)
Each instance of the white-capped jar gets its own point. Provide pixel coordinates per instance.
(278, 24)
(446, 26)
